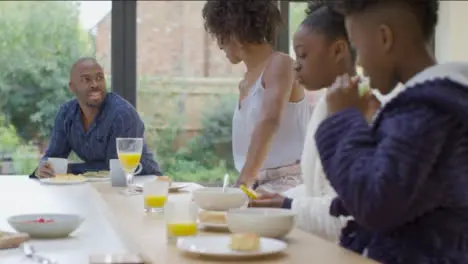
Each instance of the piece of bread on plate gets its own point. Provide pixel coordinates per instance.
(245, 242)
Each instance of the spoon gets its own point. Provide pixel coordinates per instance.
(30, 252)
(226, 182)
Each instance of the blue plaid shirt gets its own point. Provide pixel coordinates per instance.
(117, 118)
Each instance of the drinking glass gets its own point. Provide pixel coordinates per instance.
(129, 152)
(181, 219)
(155, 195)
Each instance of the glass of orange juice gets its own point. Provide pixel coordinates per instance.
(129, 153)
(155, 195)
(181, 219)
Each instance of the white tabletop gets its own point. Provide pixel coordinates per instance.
(104, 209)
(21, 195)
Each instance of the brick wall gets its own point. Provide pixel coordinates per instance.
(171, 42)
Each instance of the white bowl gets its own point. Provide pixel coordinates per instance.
(62, 225)
(265, 222)
(214, 199)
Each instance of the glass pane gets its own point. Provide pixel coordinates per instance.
(40, 42)
(296, 15)
(96, 17)
(186, 86)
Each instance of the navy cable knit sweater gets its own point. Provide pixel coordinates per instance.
(405, 179)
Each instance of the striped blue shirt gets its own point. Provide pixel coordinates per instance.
(117, 118)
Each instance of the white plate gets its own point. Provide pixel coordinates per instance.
(89, 176)
(97, 179)
(176, 186)
(218, 246)
(49, 181)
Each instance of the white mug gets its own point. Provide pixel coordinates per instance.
(118, 175)
(60, 165)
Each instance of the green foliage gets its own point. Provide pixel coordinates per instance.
(206, 157)
(25, 159)
(9, 140)
(25, 156)
(40, 41)
(214, 142)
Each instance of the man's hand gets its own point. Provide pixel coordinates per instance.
(45, 170)
(268, 200)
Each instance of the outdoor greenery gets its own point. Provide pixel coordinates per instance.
(40, 40)
(205, 157)
(9, 139)
(296, 15)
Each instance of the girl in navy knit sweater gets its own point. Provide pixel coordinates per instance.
(404, 180)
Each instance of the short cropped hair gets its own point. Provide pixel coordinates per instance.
(426, 11)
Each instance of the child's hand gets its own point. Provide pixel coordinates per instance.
(344, 94)
(371, 107)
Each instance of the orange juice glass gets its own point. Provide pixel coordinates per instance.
(129, 161)
(181, 220)
(155, 195)
(129, 152)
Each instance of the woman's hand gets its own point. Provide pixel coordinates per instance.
(272, 200)
(245, 179)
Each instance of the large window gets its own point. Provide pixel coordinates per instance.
(186, 91)
(186, 88)
(40, 40)
(296, 15)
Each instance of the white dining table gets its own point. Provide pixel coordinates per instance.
(117, 224)
(21, 195)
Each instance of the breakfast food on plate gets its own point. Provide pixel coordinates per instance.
(250, 193)
(96, 174)
(245, 242)
(212, 217)
(68, 177)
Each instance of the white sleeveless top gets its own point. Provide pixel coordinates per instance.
(288, 142)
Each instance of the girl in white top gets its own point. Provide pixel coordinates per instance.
(271, 117)
(323, 53)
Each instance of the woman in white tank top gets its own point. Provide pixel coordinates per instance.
(271, 116)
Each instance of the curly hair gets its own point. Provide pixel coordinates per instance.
(425, 10)
(323, 18)
(249, 21)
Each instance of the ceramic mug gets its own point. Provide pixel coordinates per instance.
(60, 165)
